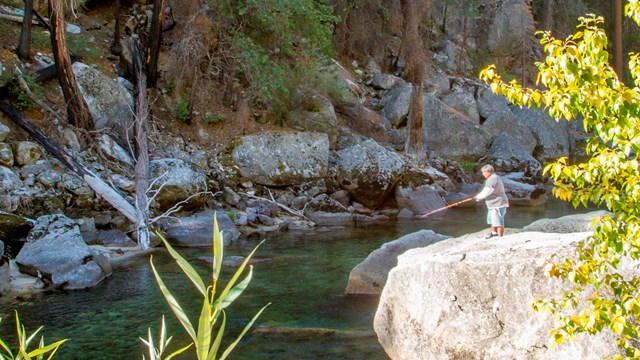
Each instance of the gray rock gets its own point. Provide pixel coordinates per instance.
(13, 227)
(109, 102)
(450, 134)
(507, 155)
(197, 230)
(56, 252)
(318, 116)
(281, 159)
(420, 199)
(465, 103)
(26, 152)
(9, 183)
(506, 122)
(370, 276)
(397, 102)
(6, 155)
(567, 224)
(177, 181)
(470, 298)
(385, 81)
(368, 172)
(4, 132)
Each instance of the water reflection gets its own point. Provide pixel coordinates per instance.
(304, 281)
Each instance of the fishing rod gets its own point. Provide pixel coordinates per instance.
(446, 207)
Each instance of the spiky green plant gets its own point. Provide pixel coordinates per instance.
(23, 352)
(204, 338)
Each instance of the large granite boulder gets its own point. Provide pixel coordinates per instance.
(396, 104)
(508, 155)
(9, 183)
(368, 172)
(567, 224)
(109, 102)
(282, 159)
(450, 134)
(470, 298)
(315, 114)
(370, 276)
(177, 180)
(56, 252)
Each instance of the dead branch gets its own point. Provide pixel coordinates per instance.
(283, 207)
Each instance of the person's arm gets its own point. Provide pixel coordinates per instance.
(486, 191)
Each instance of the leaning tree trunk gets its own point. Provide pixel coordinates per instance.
(24, 43)
(78, 113)
(154, 41)
(98, 185)
(142, 146)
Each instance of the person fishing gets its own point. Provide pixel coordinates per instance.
(496, 200)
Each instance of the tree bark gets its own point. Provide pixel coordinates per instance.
(116, 46)
(142, 146)
(78, 113)
(154, 41)
(547, 15)
(100, 187)
(413, 50)
(24, 43)
(617, 37)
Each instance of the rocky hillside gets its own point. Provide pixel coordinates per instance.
(332, 158)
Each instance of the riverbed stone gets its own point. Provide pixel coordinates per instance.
(4, 132)
(177, 180)
(369, 277)
(197, 230)
(9, 183)
(56, 252)
(26, 152)
(6, 155)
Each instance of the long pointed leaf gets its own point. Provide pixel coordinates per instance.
(204, 329)
(216, 344)
(218, 250)
(173, 304)
(238, 272)
(191, 273)
(237, 290)
(178, 352)
(246, 328)
(46, 349)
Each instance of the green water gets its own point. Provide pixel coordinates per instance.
(304, 281)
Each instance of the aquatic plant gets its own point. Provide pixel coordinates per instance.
(23, 352)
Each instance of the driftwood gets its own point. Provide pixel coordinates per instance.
(283, 207)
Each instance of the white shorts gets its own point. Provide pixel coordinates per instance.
(495, 217)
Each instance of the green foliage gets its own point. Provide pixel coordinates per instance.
(273, 40)
(182, 111)
(211, 118)
(169, 86)
(23, 101)
(468, 165)
(79, 45)
(577, 80)
(157, 353)
(232, 215)
(204, 338)
(23, 352)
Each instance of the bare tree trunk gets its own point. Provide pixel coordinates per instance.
(116, 46)
(142, 146)
(617, 37)
(78, 113)
(24, 43)
(154, 41)
(413, 50)
(547, 15)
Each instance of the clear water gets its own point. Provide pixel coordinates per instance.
(304, 282)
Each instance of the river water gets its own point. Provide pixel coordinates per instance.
(304, 280)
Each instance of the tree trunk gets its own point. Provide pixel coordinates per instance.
(24, 43)
(78, 113)
(617, 37)
(116, 46)
(154, 41)
(142, 146)
(547, 15)
(413, 50)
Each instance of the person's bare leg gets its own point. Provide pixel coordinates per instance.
(500, 230)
